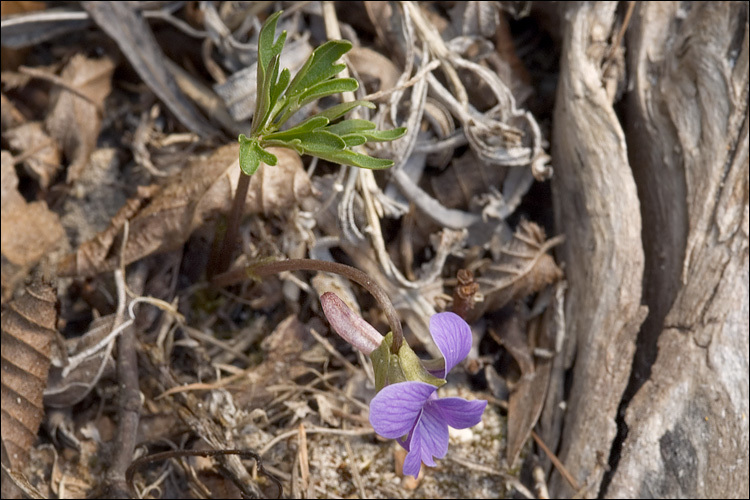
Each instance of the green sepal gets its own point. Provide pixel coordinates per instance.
(280, 86)
(402, 367)
(251, 154)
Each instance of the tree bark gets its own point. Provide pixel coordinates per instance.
(679, 166)
(687, 425)
(597, 208)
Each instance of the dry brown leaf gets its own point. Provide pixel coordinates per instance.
(511, 335)
(524, 407)
(30, 230)
(522, 267)
(94, 253)
(9, 115)
(464, 179)
(528, 394)
(204, 189)
(40, 154)
(28, 330)
(75, 120)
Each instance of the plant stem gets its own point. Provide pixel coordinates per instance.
(230, 243)
(267, 269)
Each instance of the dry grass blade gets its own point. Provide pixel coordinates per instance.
(28, 330)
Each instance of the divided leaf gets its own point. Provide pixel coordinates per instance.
(251, 154)
(267, 48)
(320, 66)
(278, 99)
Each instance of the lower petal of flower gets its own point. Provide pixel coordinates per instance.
(413, 460)
(433, 432)
(395, 410)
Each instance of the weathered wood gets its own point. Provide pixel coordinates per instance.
(597, 208)
(687, 114)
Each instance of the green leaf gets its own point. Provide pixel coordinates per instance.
(280, 86)
(267, 48)
(384, 135)
(340, 110)
(352, 126)
(294, 144)
(266, 157)
(348, 157)
(249, 158)
(320, 65)
(264, 104)
(269, 52)
(352, 140)
(251, 154)
(329, 87)
(322, 89)
(320, 142)
(308, 125)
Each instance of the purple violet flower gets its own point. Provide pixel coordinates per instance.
(412, 413)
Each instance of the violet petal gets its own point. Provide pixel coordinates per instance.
(452, 335)
(434, 432)
(395, 409)
(413, 460)
(459, 413)
(427, 441)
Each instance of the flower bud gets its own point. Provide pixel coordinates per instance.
(355, 330)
